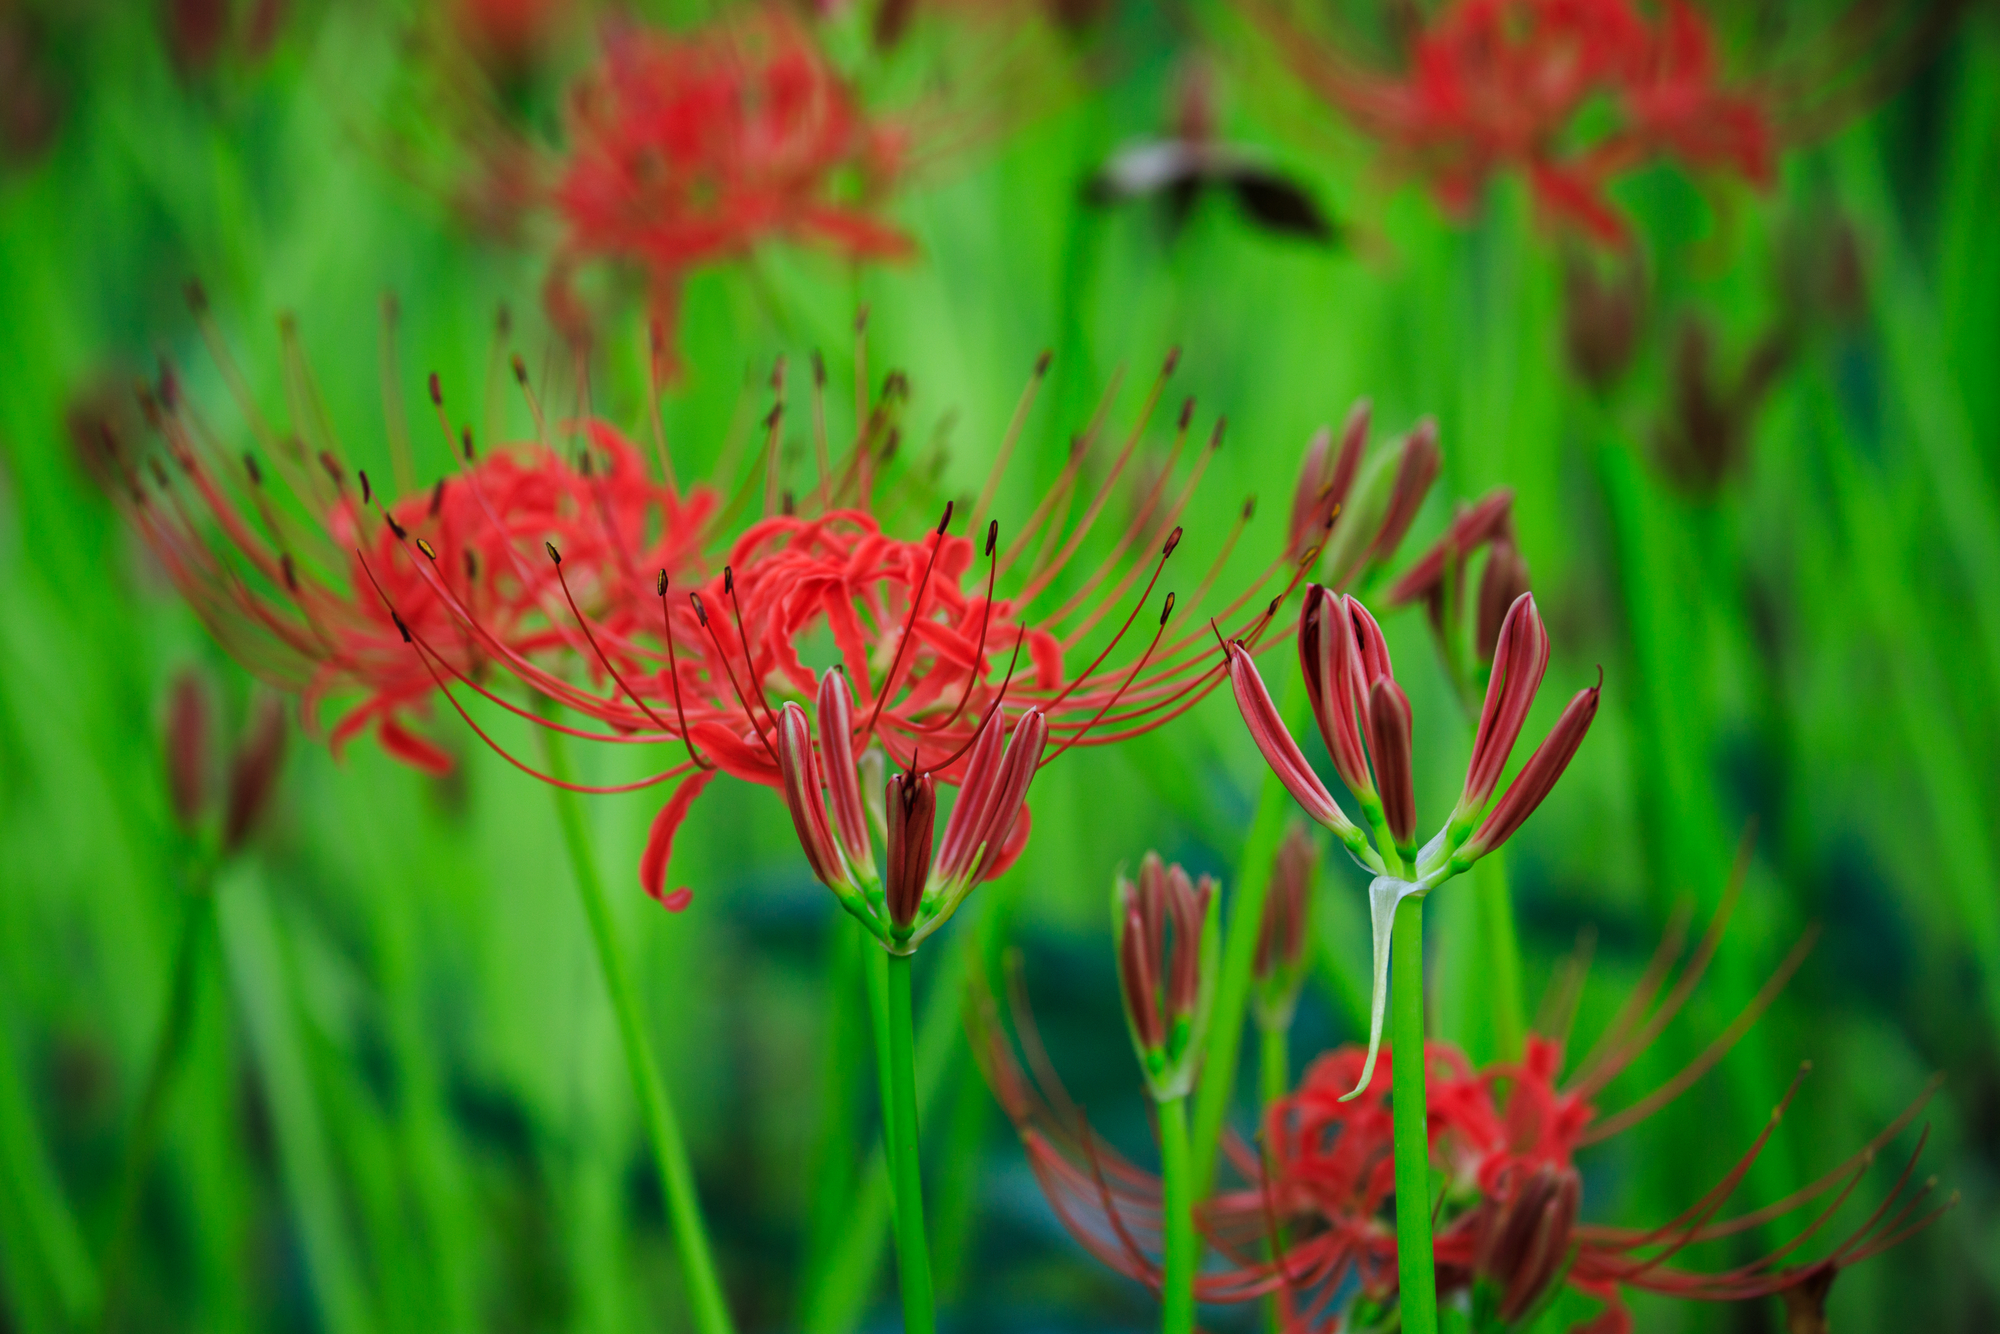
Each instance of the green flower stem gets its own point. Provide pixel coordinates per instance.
(1177, 1285)
(704, 1288)
(1416, 1269)
(878, 1021)
(1503, 955)
(1232, 992)
(1273, 1064)
(169, 1048)
(913, 1260)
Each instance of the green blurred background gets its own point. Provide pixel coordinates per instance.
(404, 1106)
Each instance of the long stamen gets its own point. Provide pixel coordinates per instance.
(674, 673)
(999, 701)
(701, 614)
(1081, 732)
(584, 625)
(985, 613)
(909, 623)
(821, 453)
(1166, 550)
(749, 662)
(1008, 441)
(656, 342)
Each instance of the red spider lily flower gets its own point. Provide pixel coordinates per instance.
(690, 149)
(1169, 951)
(1503, 85)
(1314, 1223)
(586, 580)
(919, 891)
(1285, 934)
(1364, 718)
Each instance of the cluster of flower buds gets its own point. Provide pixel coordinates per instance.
(1169, 949)
(1437, 579)
(1704, 436)
(1524, 1239)
(1365, 719)
(1284, 937)
(253, 768)
(920, 889)
(1354, 510)
(1604, 308)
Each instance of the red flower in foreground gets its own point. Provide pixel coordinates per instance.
(594, 583)
(1315, 1225)
(689, 149)
(1504, 85)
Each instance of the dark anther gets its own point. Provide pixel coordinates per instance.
(889, 445)
(197, 297)
(700, 612)
(1167, 610)
(583, 462)
(660, 585)
(425, 547)
(1187, 413)
(554, 555)
(437, 392)
(1272, 610)
(170, 387)
(437, 498)
(729, 579)
(465, 443)
(520, 370)
(1173, 540)
(471, 567)
(332, 466)
(992, 535)
(1249, 507)
(945, 522)
(249, 465)
(289, 570)
(788, 504)
(395, 527)
(1042, 362)
(400, 626)
(1215, 438)
(503, 320)
(1173, 360)
(819, 368)
(367, 494)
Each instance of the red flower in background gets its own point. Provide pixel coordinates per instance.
(1509, 85)
(686, 149)
(1315, 1224)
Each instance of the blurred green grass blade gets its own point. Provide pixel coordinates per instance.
(268, 1008)
(42, 1233)
(844, 1055)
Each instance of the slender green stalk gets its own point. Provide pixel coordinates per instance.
(1232, 992)
(878, 1022)
(1273, 1064)
(169, 1048)
(913, 1259)
(704, 1288)
(1503, 955)
(1416, 1268)
(1177, 1285)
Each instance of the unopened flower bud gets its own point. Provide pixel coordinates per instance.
(1167, 958)
(254, 774)
(912, 802)
(1502, 583)
(187, 750)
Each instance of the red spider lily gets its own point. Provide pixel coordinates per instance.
(690, 149)
(589, 583)
(1437, 579)
(1502, 85)
(1364, 717)
(1168, 949)
(1314, 1223)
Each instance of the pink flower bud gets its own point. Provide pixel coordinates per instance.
(1488, 520)
(1331, 665)
(1136, 981)
(1504, 580)
(1325, 478)
(1187, 907)
(803, 798)
(843, 783)
(253, 774)
(1282, 753)
(1538, 776)
(187, 750)
(1282, 934)
(976, 796)
(1414, 475)
(1520, 657)
(1009, 808)
(1389, 726)
(912, 805)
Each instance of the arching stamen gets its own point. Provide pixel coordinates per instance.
(584, 625)
(821, 452)
(985, 614)
(999, 701)
(909, 623)
(1080, 733)
(701, 614)
(1008, 441)
(749, 662)
(656, 345)
(527, 392)
(1166, 550)
(775, 423)
(674, 673)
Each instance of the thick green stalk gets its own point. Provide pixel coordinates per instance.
(913, 1258)
(197, 912)
(1416, 1268)
(1177, 1285)
(878, 1023)
(1232, 992)
(704, 1288)
(1503, 955)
